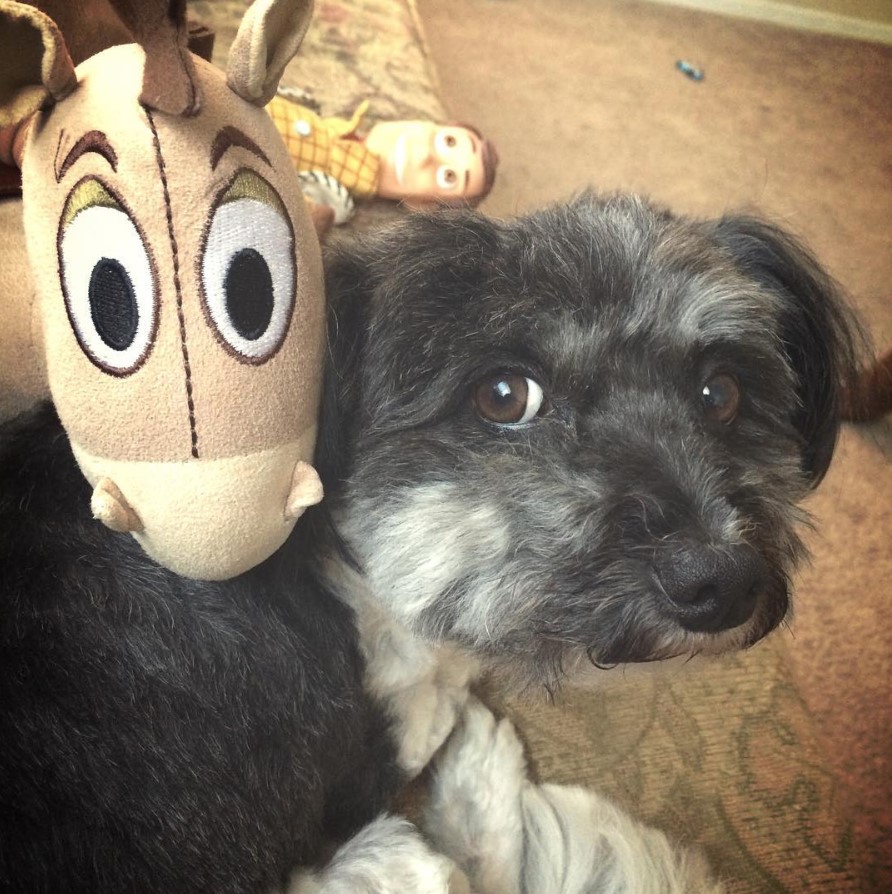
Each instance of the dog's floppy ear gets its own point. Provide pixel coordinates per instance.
(820, 334)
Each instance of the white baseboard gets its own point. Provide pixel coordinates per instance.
(793, 17)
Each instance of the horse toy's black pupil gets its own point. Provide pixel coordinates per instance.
(249, 294)
(113, 305)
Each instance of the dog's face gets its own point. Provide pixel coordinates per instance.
(581, 433)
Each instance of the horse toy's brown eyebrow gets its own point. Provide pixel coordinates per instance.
(171, 298)
(229, 137)
(92, 141)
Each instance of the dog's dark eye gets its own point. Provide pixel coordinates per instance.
(507, 398)
(721, 397)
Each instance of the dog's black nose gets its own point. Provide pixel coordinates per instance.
(712, 589)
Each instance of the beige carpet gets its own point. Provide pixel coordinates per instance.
(795, 125)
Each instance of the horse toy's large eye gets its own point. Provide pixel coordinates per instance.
(247, 269)
(108, 279)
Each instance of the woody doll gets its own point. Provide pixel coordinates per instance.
(416, 162)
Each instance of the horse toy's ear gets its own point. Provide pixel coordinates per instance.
(36, 71)
(178, 278)
(269, 35)
(35, 67)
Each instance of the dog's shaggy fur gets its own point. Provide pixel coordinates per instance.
(158, 734)
(577, 438)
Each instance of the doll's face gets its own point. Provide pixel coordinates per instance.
(424, 161)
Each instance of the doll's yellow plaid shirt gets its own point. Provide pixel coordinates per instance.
(327, 144)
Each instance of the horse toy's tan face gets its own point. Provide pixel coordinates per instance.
(180, 288)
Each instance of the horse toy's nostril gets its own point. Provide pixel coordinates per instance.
(306, 490)
(111, 508)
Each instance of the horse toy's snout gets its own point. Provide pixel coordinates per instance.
(260, 496)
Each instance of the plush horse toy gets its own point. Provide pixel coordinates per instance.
(176, 314)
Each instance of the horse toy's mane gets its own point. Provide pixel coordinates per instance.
(167, 294)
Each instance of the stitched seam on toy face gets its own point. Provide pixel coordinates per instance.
(232, 137)
(92, 141)
(56, 164)
(193, 430)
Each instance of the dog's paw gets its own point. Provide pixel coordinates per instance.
(510, 835)
(388, 856)
(474, 814)
(424, 687)
(428, 711)
(577, 842)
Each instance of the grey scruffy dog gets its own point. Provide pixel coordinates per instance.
(580, 437)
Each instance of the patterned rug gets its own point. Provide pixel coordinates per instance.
(723, 754)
